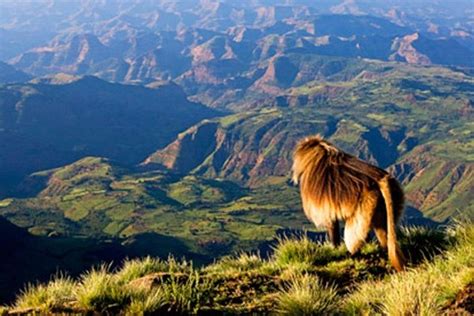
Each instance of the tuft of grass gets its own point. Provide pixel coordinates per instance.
(421, 243)
(148, 302)
(370, 248)
(244, 262)
(305, 295)
(99, 290)
(45, 297)
(3, 310)
(136, 268)
(424, 290)
(187, 296)
(182, 295)
(303, 251)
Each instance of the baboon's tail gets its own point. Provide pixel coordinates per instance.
(394, 252)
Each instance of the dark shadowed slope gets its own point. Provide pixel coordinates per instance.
(8, 74)
(47, 125)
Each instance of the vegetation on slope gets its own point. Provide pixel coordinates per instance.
(414, 120)
(301, 277)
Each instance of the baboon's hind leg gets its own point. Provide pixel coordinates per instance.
(356, 231)
(379, 222)
(381, 234)
(333, 233)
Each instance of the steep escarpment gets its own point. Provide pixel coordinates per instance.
(280, 73)
(242, 147)
(439, 185)
(417, 49)
(183, 155)
(82, 54)
(252, 147)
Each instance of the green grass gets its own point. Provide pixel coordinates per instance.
(148, 302)
(420, 243)
(303, 251)
(242, 263)
(98, 290)
(302, 277)
(188, 296)
(424, 290)
(46, 297)
(306, 295)
(137, 268)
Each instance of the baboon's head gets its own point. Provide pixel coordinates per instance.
(308, 152)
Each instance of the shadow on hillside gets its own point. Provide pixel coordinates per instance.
(25, 186)
(25, 257)
(414, 217)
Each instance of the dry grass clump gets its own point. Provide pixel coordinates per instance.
(46, 297)
(424, 290)
(136, 268)
(99, 290)
(304, 251)
(306, 295)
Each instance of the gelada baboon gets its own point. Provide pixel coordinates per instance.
(337, 186)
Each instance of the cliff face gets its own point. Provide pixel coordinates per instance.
(190, 149)
(440, 186)
(245, 150)
(249, 148)
(406, 51)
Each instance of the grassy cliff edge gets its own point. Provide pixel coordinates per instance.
(301, 277)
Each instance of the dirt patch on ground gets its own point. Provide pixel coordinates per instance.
(463, 304)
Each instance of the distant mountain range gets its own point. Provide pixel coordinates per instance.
(142, 41)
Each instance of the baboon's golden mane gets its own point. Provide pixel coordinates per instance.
(329, 175)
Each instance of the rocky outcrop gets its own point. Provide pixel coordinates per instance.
(280, 73)
(189, 150)
(406, 52)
